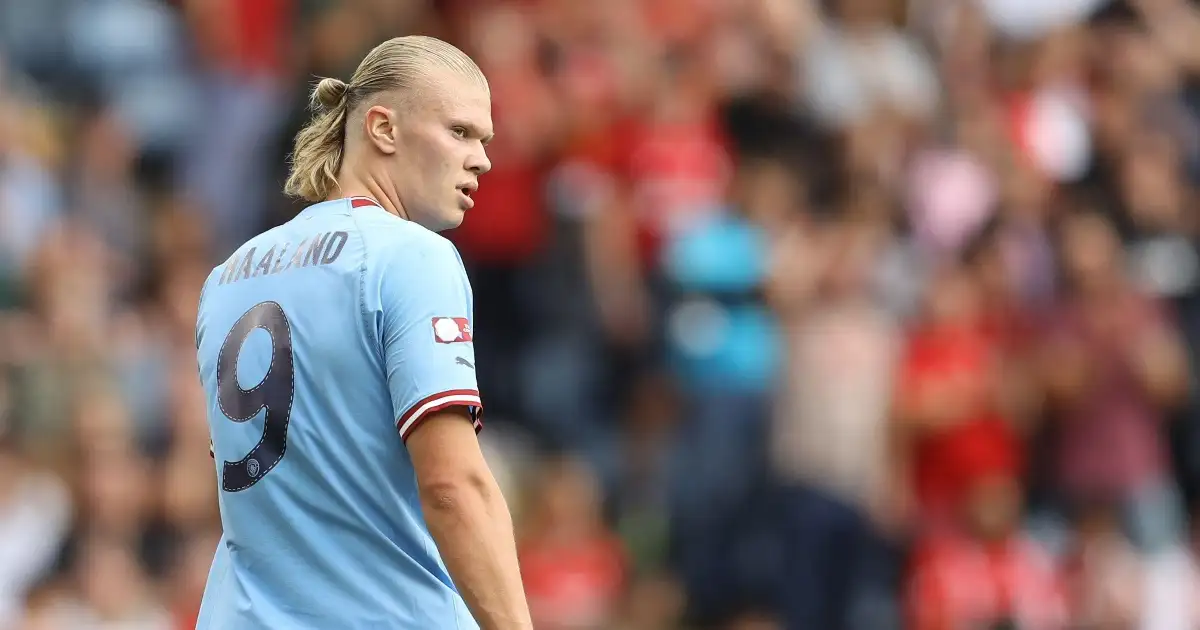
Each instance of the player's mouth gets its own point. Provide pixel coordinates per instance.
(464, 192)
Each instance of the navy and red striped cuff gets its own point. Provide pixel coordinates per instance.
(422, 409)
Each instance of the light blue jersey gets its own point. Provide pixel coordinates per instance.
(322, 344)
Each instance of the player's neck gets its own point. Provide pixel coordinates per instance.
(350, 186)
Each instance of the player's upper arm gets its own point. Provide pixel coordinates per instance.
(446, 456)
(424, 316)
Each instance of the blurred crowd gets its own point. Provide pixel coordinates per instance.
(790, 314)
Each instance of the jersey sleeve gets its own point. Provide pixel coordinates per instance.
(425, 325)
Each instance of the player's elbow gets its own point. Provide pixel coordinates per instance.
(458, 492)
(452, 473)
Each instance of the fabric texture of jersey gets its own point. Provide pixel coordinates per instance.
(322, 344)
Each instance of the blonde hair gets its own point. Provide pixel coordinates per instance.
(399, 64)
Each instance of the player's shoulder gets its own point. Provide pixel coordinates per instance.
(379, 226)
(391, 240)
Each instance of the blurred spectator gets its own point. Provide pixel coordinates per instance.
(507, 245)
(104, 192)
(574, 569)
(981, 572)
(512, 225)
(859, 66)
(722, 343)
(109, 590)
(949, 406)
(242, 48)
(830, 440)
(1113, 366)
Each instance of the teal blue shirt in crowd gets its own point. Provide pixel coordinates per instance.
(721, 335)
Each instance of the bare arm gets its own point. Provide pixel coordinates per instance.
(610, 251)
(1161, 366)
(469, 519)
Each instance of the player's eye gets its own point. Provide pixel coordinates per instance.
(461, 132)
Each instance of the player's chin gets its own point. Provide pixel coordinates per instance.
(450, 218)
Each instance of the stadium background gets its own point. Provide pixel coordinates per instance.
(856, 314)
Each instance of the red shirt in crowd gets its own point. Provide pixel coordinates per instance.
(676, 171)
(573, 586)
(509, 222)
(962, 357)
(246, 37)
(959, 582)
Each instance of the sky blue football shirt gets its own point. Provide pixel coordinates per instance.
(322, 344)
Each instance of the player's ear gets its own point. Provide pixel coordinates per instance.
(381, 128)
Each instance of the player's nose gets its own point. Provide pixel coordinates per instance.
(478, 162)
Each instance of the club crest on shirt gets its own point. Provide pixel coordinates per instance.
(451, 329)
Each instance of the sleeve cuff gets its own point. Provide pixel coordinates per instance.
(422, 409)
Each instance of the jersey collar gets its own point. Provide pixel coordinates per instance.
(363, 202)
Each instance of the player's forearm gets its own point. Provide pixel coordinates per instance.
(473, 529)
